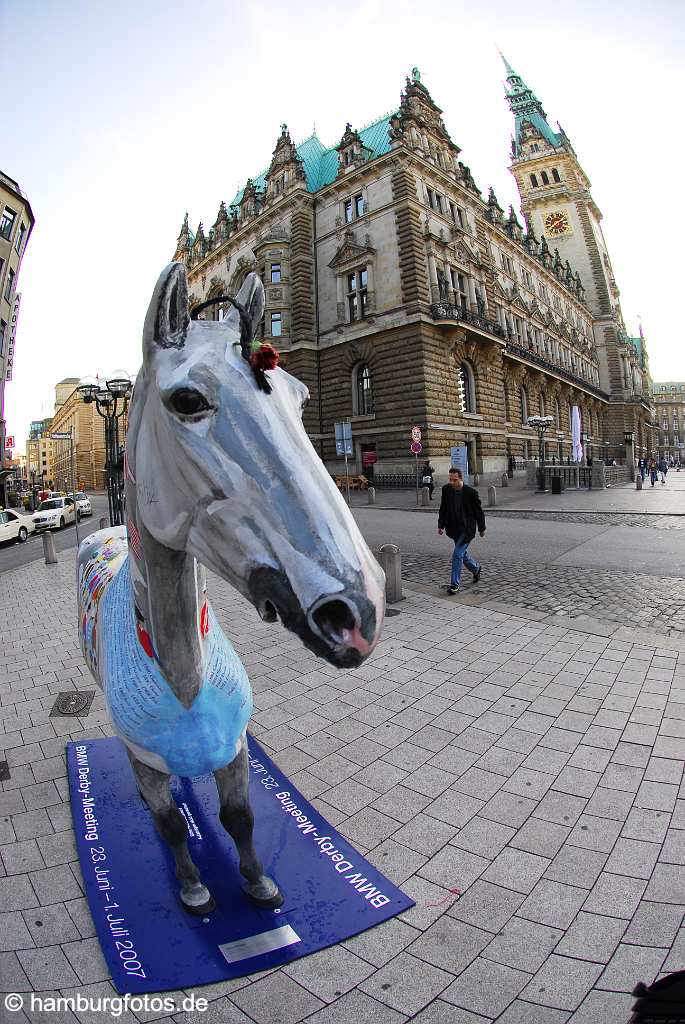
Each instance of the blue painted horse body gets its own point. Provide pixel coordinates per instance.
(219, 473)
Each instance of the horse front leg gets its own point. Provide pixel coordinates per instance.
(155, 789)
(238, 820)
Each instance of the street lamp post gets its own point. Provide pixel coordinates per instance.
(541, 424)
(111, 402)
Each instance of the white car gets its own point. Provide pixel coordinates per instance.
(15, 526)
(54, 513)
(82, 503)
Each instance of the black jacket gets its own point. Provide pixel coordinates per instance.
(472, 516)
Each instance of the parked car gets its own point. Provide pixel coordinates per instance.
(55, 513)
(15, 526)
(82, 503)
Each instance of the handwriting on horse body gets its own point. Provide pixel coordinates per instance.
(219, 473)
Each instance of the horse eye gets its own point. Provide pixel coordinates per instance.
(188, 402)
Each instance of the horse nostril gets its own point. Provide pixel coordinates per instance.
(333, 618)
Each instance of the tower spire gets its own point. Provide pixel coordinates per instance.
(526, 107)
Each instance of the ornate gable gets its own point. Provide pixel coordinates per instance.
(420, 117)
(351, 150)
(351, 252)
(286, 165)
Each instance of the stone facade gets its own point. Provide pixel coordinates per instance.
(402, 297)
(89, 433)
(669, 401)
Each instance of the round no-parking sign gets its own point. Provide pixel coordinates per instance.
(416, 448)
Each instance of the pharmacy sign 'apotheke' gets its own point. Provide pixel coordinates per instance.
(12, 336)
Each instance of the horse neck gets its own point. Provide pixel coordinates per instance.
(167, 590)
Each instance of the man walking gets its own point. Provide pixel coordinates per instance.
(460, 514)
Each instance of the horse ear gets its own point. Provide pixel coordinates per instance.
(167, 318)
(251, 298)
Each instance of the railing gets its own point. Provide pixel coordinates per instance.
(393, 480)
(450, 311)
(573, 378)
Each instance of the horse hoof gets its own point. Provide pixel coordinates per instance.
(265, 893)
(198, 902)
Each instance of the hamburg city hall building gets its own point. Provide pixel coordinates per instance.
(402, 296)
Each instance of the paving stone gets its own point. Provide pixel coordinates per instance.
(50, 925)
(423, 834)
(634, 754)
(539, 836)
(47, 968)
(350, 797)
(659, 796)
(16, 893)
(13, 932)
(12, 977)
(523, 944)
(380, 944)
(592, 833)
(610, 803)
(381, 776)
(450, 944)
(630, 963)
(56, 884)
(32, 823)
(553, 903)
(440, 1012)
(546, 759)
(562, 982)
(18, 858)
(329, 973)
(517, 870)
(643, 823)
(521, 1012)
(396, 861)
(429, 781)
(276, 999)
(356, 1006)
(478, 783)
(87, 960)
(454, 808)
(484, 837)
(623, 777)
(508, 809)
(407, 984)
(486, 988)
(454, 868)
(616, 896)
(633, 857)
(655, 924)
(667, 884)
(560, 808)
(604, 1007)
(662, 769)
(528, 783)
(592, 937)
(486, 906)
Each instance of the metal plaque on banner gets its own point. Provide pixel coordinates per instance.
(416, 448)
(416, 433)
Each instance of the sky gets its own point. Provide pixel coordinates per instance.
(126, 114)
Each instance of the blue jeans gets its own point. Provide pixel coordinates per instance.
(461, 557)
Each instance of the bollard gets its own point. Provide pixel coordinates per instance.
(103, 523)
(425, 496)
(492, 495)
(49, 548)
(391, 562)
(371, 494)
(505, 479)
(638, 481)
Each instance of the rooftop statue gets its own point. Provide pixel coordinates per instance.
(219, 473)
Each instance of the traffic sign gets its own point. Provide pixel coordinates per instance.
(343, 438)
(415, 434)
(416, 448)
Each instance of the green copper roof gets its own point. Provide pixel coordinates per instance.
(321, 163)
(526, 106)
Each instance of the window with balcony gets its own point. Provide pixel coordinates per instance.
(430, 194)
(460, 290)
(357, 293)
(7, 223)
(362, 394)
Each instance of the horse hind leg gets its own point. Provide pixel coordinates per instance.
(155, 789)
(237, 818)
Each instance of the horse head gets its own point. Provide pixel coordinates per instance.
(220, 466)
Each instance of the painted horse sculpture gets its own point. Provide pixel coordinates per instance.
(219, 473)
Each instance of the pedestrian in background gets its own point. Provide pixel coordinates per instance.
(663, 469)
(653, 471)
(427, 478)
(642, 466)
(461, 513)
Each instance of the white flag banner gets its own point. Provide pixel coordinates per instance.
(575, 434)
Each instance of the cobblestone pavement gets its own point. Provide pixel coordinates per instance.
(656, 522)
(536, 768)
(656, 603)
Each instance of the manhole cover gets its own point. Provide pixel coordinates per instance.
(392, 611)
(73, 702)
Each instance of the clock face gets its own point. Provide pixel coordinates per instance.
(557, 223)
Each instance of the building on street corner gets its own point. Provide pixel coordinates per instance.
(402, 296)
(669, 399)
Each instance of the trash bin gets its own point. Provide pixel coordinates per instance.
(556, 485)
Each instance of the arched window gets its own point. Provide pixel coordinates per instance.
(557, 414)
(555, 174)
(534, 180)
(362, 394)
(545, 178)
(466, 387)
(524, 406)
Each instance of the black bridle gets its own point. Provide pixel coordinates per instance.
(246, 337)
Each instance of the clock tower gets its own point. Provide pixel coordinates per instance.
(557, 203)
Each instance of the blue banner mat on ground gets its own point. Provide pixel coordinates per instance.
(149, 942)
